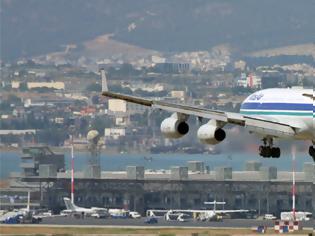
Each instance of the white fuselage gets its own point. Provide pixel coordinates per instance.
(72, 208)
(286, 106)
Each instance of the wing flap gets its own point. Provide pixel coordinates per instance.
(230, 211)
(268, 127)
(189, 110)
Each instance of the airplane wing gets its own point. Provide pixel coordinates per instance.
(259, 125)
(230, 211)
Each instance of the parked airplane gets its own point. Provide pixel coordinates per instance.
(202, 215)
(298, 216)
(119, 213)
(209, 214)
(94, 211)
(25, 215)
(12, 217)
(270, 113)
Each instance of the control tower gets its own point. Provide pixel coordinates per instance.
(93, 168)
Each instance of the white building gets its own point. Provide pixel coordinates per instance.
(180, 94)
(54, 85)
(114, 133)
(117, 105)
(15, 84)
(120, 106)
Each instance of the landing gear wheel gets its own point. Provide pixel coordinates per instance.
(261, 151)
(275, 152)
(311, 151)
(267, 150)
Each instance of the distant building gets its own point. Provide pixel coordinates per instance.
(17, 132)
(240, 65)
(133, 108)
(117, 106)
(172, 67)
(180, 94)
(114, 133)
(156, 87)
(41, 161)
(32, 85)
(263, 189)
(53, 85)
(15, 84)
(157, 59)
(271, 79)
(59, 120)
(42, 101)
(249, 81)
(122, 120)
(253, 81)
(19, 112)
(36, 73)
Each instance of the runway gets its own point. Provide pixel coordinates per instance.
(109, 222)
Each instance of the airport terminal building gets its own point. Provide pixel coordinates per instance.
(263, 189)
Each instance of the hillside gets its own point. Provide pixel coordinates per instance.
(32, 27)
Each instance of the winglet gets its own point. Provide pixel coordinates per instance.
(104, 80)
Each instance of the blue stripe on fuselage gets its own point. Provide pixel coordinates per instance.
(278, 106)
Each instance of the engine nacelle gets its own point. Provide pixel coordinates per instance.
(174, 128)
(210, 134)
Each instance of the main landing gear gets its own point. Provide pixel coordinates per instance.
(267, 150)
(311, 151)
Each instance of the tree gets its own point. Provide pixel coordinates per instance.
(95, 99)
(94, 88)
(53, 136)
(99, 123)
(23, 87)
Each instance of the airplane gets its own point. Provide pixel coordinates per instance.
(209, 214)
(181, 217)
(276, 113)
(21, 215)
(94, 211)
(296, 216)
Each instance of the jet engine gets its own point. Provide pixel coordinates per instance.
(210, 133)
(173, 127)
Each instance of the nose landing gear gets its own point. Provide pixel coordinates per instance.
(267, 150)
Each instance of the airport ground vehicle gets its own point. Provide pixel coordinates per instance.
(269, 217)
(134, 214)
(99, 215)
(151, 220)
(118, 213)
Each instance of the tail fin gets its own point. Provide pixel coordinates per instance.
(104, 80)
(69, 204)
(28, 200)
